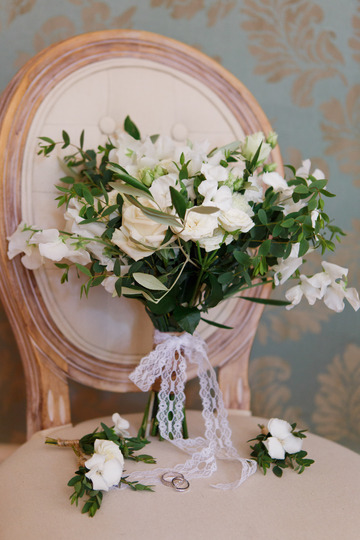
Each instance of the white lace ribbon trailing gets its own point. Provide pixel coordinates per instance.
(168, 361)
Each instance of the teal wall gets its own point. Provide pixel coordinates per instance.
(300, 58)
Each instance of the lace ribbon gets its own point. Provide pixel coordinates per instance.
(168, 361)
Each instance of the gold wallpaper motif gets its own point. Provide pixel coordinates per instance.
(94, 16)
(280, 325)
(270, 393)
(187, 9)
(354, 42)
(341, 130)
(337, 410)
(286, 39)
(15, 8)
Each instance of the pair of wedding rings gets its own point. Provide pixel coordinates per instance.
(175, 480)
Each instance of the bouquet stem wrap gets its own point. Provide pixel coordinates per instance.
(168, 361)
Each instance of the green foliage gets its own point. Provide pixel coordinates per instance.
(82, 486)
(179, 282)
(297, 461)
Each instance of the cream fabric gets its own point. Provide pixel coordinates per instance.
(323, 503)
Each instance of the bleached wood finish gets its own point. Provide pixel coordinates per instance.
(49, 357)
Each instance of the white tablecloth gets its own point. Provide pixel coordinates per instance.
(322, 503)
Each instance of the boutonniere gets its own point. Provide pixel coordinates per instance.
(101, 456)
(280, 445)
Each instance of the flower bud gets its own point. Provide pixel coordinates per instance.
(272, 139)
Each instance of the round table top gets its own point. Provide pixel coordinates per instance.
(321, 503)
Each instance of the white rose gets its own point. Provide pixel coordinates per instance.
(198, 226)
(105, 466)
(210, 243)
(240, 201)
(139, 236)
(236, 220)
(251, 144)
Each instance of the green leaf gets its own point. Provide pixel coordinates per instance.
(155, 215)
(266, 301)
(88, 196)
(205, 209)
(287, 223)
(83, 269)
(277, 471)
(131, 128)
(304, 247)
(178, 201)
(127, 178)
(218, 325)
(67, 179)
(327, 193)
(130, 190)
(187, 318)
(242, 258)
(47, 139)
(318, 184)
(66, 139)
(109, 210)
(301, 189)
(265, 247)
(262, 216)
(149, 282)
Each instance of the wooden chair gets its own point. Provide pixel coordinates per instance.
(92, 82)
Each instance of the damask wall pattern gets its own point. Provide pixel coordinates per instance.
(301, 60)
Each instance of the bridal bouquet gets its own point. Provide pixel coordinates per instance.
(182, 228)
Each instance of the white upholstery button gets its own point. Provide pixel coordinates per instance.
(107, 125)
(179, 132)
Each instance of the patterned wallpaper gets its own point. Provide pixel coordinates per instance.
(301, 60)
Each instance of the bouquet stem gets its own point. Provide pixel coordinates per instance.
(150, 424)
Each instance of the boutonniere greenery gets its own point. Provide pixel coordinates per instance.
(101, 456)
(280, 446)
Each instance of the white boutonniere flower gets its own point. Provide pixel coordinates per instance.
(280, 446)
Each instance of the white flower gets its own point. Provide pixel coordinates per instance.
(120, 425)
(160, 190)
(335, 294)
(324, 285)
(198, 226)
(223, 199)
(286, 267)
(139, 236)
(19, 243)
(304, 171)
(196, 154)
(251, 144)
(276, 181)
(240, 201)
(236, 220)
(105, 466)
(210, 243)
(282, 440)
(214, 173)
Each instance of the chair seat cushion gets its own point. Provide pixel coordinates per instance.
(321, 503)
